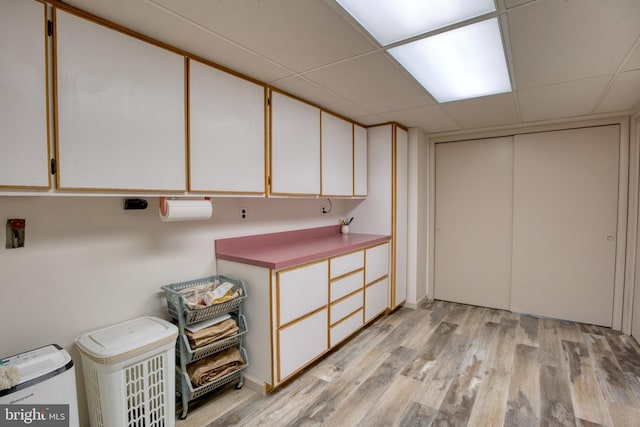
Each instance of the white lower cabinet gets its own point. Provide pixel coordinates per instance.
(301, 290)
(376, 262)
(346, 306)
(301, 342)
(345, 327)
(301, 312)
(376, 298)
(346, 285)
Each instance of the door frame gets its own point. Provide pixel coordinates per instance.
(626, 235)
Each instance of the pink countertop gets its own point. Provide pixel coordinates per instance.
(288, 248)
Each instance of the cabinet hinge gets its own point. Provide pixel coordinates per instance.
(53, 166)
(50, 27)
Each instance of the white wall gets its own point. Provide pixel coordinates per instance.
(418, 213)
(87, 263)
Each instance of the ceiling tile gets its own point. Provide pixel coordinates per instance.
(487, 111)
(561, 101)
(513, 3)
(623, 94)
(163, 26)
(298, 34)
(328, 100)
(374, 81)
(431, 119)
(633, 63)
(559, 41)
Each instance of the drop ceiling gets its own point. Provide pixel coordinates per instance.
(569, 59)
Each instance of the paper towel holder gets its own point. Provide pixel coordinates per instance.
(163, 204)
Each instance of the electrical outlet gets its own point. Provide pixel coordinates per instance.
(243, 214)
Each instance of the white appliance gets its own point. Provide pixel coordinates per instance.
(47, 377)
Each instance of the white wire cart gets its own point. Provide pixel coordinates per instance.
(184, 316)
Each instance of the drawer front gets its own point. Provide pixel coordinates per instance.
(345, 328)
(376, 299)
(343, 264)
(346, 285)
(345, 307)
(301, 342)
(376, 262)
(301, 290)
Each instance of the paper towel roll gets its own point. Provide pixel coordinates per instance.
(187, 210)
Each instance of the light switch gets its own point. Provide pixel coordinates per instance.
(15, 233)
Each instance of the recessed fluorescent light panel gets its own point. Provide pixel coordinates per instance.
(390, 21)
(466, 62)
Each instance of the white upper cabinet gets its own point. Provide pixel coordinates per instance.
(24, 151)
(295, 147)
(120, 110)
(359, 161)
(227, 132)
(337, 156)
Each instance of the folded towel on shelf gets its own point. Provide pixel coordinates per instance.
(226, 328)
(195, 327)
(214, 367)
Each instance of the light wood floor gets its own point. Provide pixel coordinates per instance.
(448, 364)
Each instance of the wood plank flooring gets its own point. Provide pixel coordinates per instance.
(447, 364)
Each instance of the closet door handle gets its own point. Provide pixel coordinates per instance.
(610, 237)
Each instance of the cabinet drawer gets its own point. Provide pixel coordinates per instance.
(348, 305)
(346, 285)
(345, 328)
(346, 263)
(301, 342)
(376, 262)
(376, 299)
(301, 290)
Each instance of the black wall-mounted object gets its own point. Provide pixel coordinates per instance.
(130, 204)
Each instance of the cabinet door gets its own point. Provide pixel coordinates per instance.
(345, 307)
(376, 298)
(120, 110)
(226, 133)
(565, 223)
(345, 328)
(347, 284)
(400, 236)
(337, 156)
(301, 342)
(295, 147)
(359, 161)
(380, 185)
(376, 262)
(301, 290)
(344, 264)
(24, 151)
(474, 195)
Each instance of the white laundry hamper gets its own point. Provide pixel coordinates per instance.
(129, 373)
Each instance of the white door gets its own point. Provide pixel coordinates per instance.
(473, 221)
(565, 220)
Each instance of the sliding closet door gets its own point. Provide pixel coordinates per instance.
(473, 221)
(565, 219)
